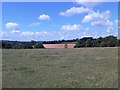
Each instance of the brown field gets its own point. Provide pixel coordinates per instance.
(58, 45)
(70, 45)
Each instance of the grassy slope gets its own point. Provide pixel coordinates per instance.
(47, 68)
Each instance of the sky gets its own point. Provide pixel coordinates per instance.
(46, 21)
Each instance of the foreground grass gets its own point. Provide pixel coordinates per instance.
(56, 68)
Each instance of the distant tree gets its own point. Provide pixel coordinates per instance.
(117, 43)
(26, 46)
(3, 44)
(0, 44)
(16, 46)
(33, 42)
(99, 41)
(66, 45)
(95, 43)
(86, 38)
(79, 44)
(6, 45)
(103, 44)
(39, 45)
(88, 43)
(110, 41)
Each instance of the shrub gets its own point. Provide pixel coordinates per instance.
(39, 45)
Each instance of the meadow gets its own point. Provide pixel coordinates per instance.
(60, 68)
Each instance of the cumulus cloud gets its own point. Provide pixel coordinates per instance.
(12, 26)
(75, 10)
(98, 19)
(88, 4)
(35, 24)
(44, 17)
(96, 16)
(92, 3)
(75, 27)
(102, 23)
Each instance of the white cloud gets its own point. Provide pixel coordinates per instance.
(110, 29)
(44, 17)
(27, 33)
(35, 24)
(41, 33)
(116, 21)
(75, 27)
(102, 23)
(25, 36)
(96, 16)
(15, 31)
(12, 26)
(87, 4)
(75, 10)
(98, 19)
(39, 36)
(28, 36)
(84, 33)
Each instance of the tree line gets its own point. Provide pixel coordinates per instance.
(108, 41)
(31, 45)
(21, 45)
(60, 41)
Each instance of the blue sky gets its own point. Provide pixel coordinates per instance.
(26, 21)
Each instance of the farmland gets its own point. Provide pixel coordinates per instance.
(56, 68)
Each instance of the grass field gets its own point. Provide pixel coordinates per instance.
(60, 68)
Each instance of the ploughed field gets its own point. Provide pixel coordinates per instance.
(60, 68)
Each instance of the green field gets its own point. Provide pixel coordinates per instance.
(60, 68)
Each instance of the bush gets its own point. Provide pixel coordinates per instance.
(26, 46)
(39, 45)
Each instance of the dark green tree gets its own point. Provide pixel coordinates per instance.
(66, 45)
(33, 42)
(26, 46)
(88, 43)
(39, 45)
(80, 43)
(110, 41)
(16, 46)
(103, 44)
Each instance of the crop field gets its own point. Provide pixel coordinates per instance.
(60, 68)
(58, 45)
